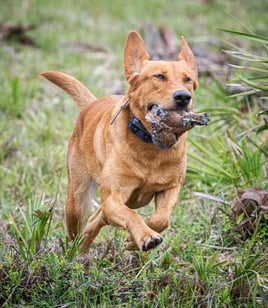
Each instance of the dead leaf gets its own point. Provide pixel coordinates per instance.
(86, 46)
(248, 206)
(160, 42)
(151, 294)
(17, 33)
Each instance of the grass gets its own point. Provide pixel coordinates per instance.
(204, 261)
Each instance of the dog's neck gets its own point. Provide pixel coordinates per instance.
(135, 125)
(137, 128)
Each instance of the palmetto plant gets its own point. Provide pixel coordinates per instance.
(236, 152)
(225, 161)
(253, 72)
(34, 227)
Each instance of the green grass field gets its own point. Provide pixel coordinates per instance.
(207, 259)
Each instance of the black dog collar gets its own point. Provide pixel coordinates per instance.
(135, 125)
(137, 128)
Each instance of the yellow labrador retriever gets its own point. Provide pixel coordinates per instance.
(111, 147)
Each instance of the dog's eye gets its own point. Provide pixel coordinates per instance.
(187, 79)
(160, 76)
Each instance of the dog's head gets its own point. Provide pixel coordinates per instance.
(169, 84)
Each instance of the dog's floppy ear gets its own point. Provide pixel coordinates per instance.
(134, 56)
(187, 55)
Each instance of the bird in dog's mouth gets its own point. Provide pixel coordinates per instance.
(168, 125)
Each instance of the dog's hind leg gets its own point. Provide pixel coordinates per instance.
(94, 224)
(81, 189)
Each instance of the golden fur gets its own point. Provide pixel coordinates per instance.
(128, 171)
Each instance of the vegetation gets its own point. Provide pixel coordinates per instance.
(209, 258)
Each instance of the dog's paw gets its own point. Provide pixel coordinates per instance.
(146, 243)
(145, 246)
(151, 242)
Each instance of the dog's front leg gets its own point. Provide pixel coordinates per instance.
(118, 214)
(165, 202)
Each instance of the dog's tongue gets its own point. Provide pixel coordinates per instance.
(169, 125)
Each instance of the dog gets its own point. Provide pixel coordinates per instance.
(111, 147)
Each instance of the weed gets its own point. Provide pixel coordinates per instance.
(33, 229)
(71, 250)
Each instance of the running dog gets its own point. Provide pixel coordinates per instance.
(112, 147)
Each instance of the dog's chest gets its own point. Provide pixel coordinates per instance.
(143, 194)
(147, 180)
(139, 198)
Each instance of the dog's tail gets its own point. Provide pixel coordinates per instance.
(72, 86)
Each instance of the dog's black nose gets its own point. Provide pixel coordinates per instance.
(182, 98)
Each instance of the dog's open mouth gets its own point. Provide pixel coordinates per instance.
(168, 125)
